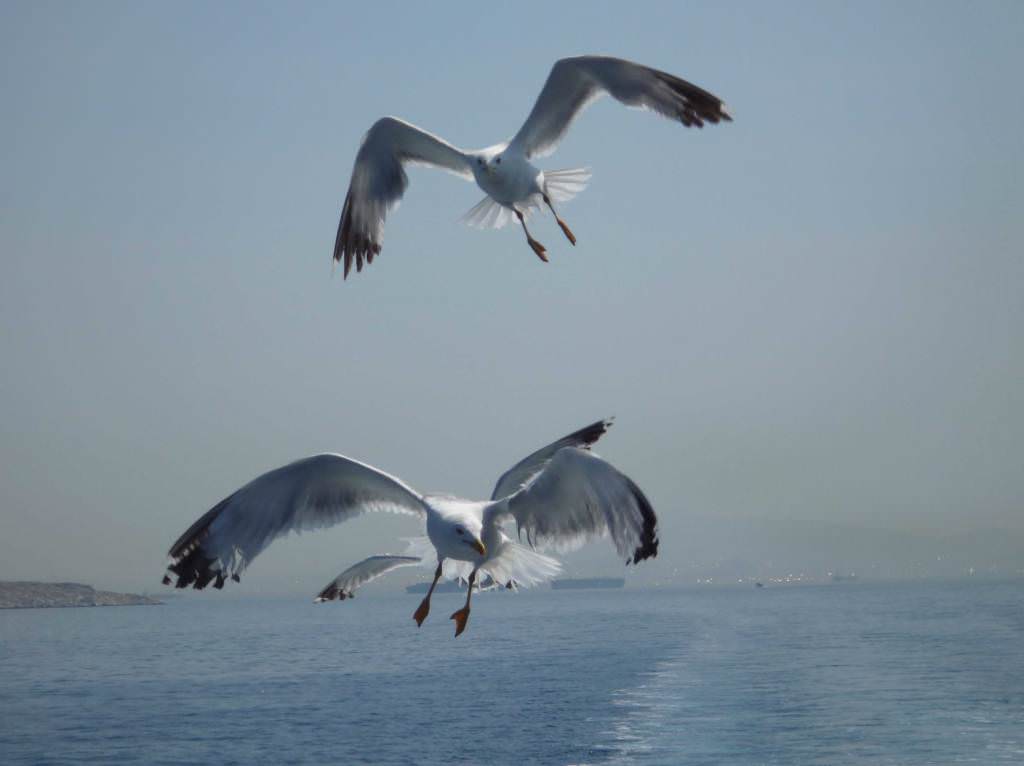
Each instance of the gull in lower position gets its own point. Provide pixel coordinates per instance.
(560, 496)
(513, 184)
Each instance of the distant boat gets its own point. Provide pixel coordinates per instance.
(448, 586)
(453, 586)
(587, 582)
(759, 584)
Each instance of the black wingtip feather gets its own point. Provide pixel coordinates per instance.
(190, 564)
(349, 245)
(698, 106)
(333, 593)
(648, 547)
(589, 435)
(193, 569)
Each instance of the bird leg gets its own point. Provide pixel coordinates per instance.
(461, 617)
(565, 229)
(424, 608)
(538, 248)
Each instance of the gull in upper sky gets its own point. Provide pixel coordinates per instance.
(513, 184)
(560, 496)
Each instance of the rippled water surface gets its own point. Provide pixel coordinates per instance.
(851, 673)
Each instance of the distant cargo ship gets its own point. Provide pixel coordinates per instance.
(587, 582)
(459, 586)
(452, 586)
(448, 586)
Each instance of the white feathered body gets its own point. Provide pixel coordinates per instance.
(505, 561)
(513, 183)
(444, 512)
(507, 176)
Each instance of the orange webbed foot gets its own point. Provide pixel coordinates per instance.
(421, 612)
(461, 617)
(567, 231)
(539, 249)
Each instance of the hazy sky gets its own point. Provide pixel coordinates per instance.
(814, 312)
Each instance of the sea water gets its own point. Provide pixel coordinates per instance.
(831, 674)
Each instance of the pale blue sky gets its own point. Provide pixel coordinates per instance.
(812, 313)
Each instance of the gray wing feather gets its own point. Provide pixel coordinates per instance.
(379, 181)
(516, 476)
(579, 497)
(312, 493)
(574, 83)
(344, 585)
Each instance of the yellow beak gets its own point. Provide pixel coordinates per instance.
(480, 547)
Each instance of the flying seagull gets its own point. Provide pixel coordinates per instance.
(513, 184)
(560, 496)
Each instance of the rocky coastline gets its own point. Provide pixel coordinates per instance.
(42, 595)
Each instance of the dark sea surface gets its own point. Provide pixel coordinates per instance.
(832, 674)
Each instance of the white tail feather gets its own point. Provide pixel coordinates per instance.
(514, 564)
(522, 566)
(563, 185)
(487, 214)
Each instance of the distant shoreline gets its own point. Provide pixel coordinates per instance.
(58, 595)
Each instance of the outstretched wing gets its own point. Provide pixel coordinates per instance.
(379, 181)
(579, 497)
(344, 585)
(574, 83)
(516, 476)
(311, 493)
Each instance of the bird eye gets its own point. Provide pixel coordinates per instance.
(479, 161)
(497, 161)
(460, 530)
